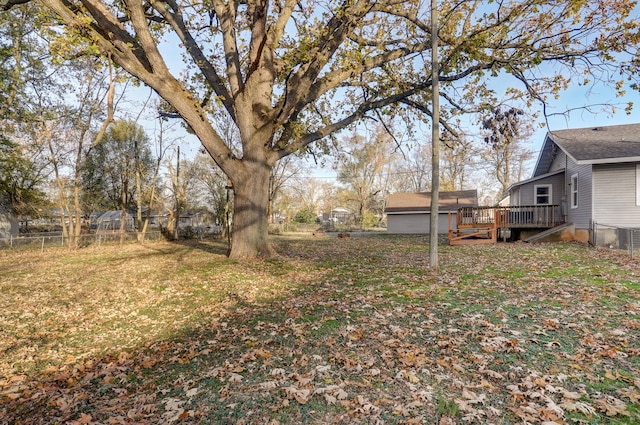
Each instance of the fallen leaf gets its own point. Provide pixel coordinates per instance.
(579, 406)
(612, 406)
(300, 395)
(235, 377)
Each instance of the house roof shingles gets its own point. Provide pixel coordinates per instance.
(600, 144)
(591, 145)
(421, 201)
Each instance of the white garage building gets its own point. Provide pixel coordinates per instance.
(410, 213)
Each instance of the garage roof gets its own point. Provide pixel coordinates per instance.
(421, 201)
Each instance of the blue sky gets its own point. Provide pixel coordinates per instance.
(577, 97)
(574, 98)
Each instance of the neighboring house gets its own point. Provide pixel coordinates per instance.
(188, 219)
(338, 215)
(591, 174)
(8, 221)
(110, 221)
(411, 212)
(157, 219)
(160, 219)
(192, 219)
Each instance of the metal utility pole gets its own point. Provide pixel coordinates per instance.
(435, 140)
(178, 196)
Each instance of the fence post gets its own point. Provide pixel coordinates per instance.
(42, 249)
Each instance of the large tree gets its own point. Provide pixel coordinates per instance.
(360, 169)
(70, 130)
(114, 167)
(413, 174)
(21, 179)
(291, 72)
(23, 62)
(23, 72)
(505, 155)
(458, 156)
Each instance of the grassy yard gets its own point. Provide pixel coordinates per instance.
(343, 331)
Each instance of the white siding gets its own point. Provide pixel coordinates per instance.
(614, 195)
(417, 223)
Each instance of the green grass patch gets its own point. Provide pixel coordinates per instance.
(331, 331)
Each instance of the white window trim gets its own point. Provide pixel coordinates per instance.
(574, 191)
(535, 194)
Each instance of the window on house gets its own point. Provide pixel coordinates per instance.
(543, 194)
(574, 191)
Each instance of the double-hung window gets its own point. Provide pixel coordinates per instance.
(574, 191)
(542, 194)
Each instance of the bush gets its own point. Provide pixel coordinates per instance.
(368, 220)
(305, 216)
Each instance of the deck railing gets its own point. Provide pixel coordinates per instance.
(539, 216)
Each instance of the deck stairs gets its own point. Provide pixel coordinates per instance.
(472, 230)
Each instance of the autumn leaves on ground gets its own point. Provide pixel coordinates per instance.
(355, 330)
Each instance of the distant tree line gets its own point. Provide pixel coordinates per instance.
(259, 82)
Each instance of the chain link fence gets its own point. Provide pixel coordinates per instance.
(614, 237)
(46, 240)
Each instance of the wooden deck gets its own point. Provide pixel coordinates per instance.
(478, 225)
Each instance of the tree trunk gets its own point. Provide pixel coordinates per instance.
(250, 237)
(77, 230)
(152, 197)
(139, 224)
(123, 211)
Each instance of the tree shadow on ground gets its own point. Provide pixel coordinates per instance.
(157, 382)
(188, 378)
(212, 246)
(370, 331)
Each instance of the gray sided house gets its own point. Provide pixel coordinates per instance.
(591, 174)
(410, 213)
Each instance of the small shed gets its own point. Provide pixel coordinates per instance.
(410, 212)
(8, 221)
